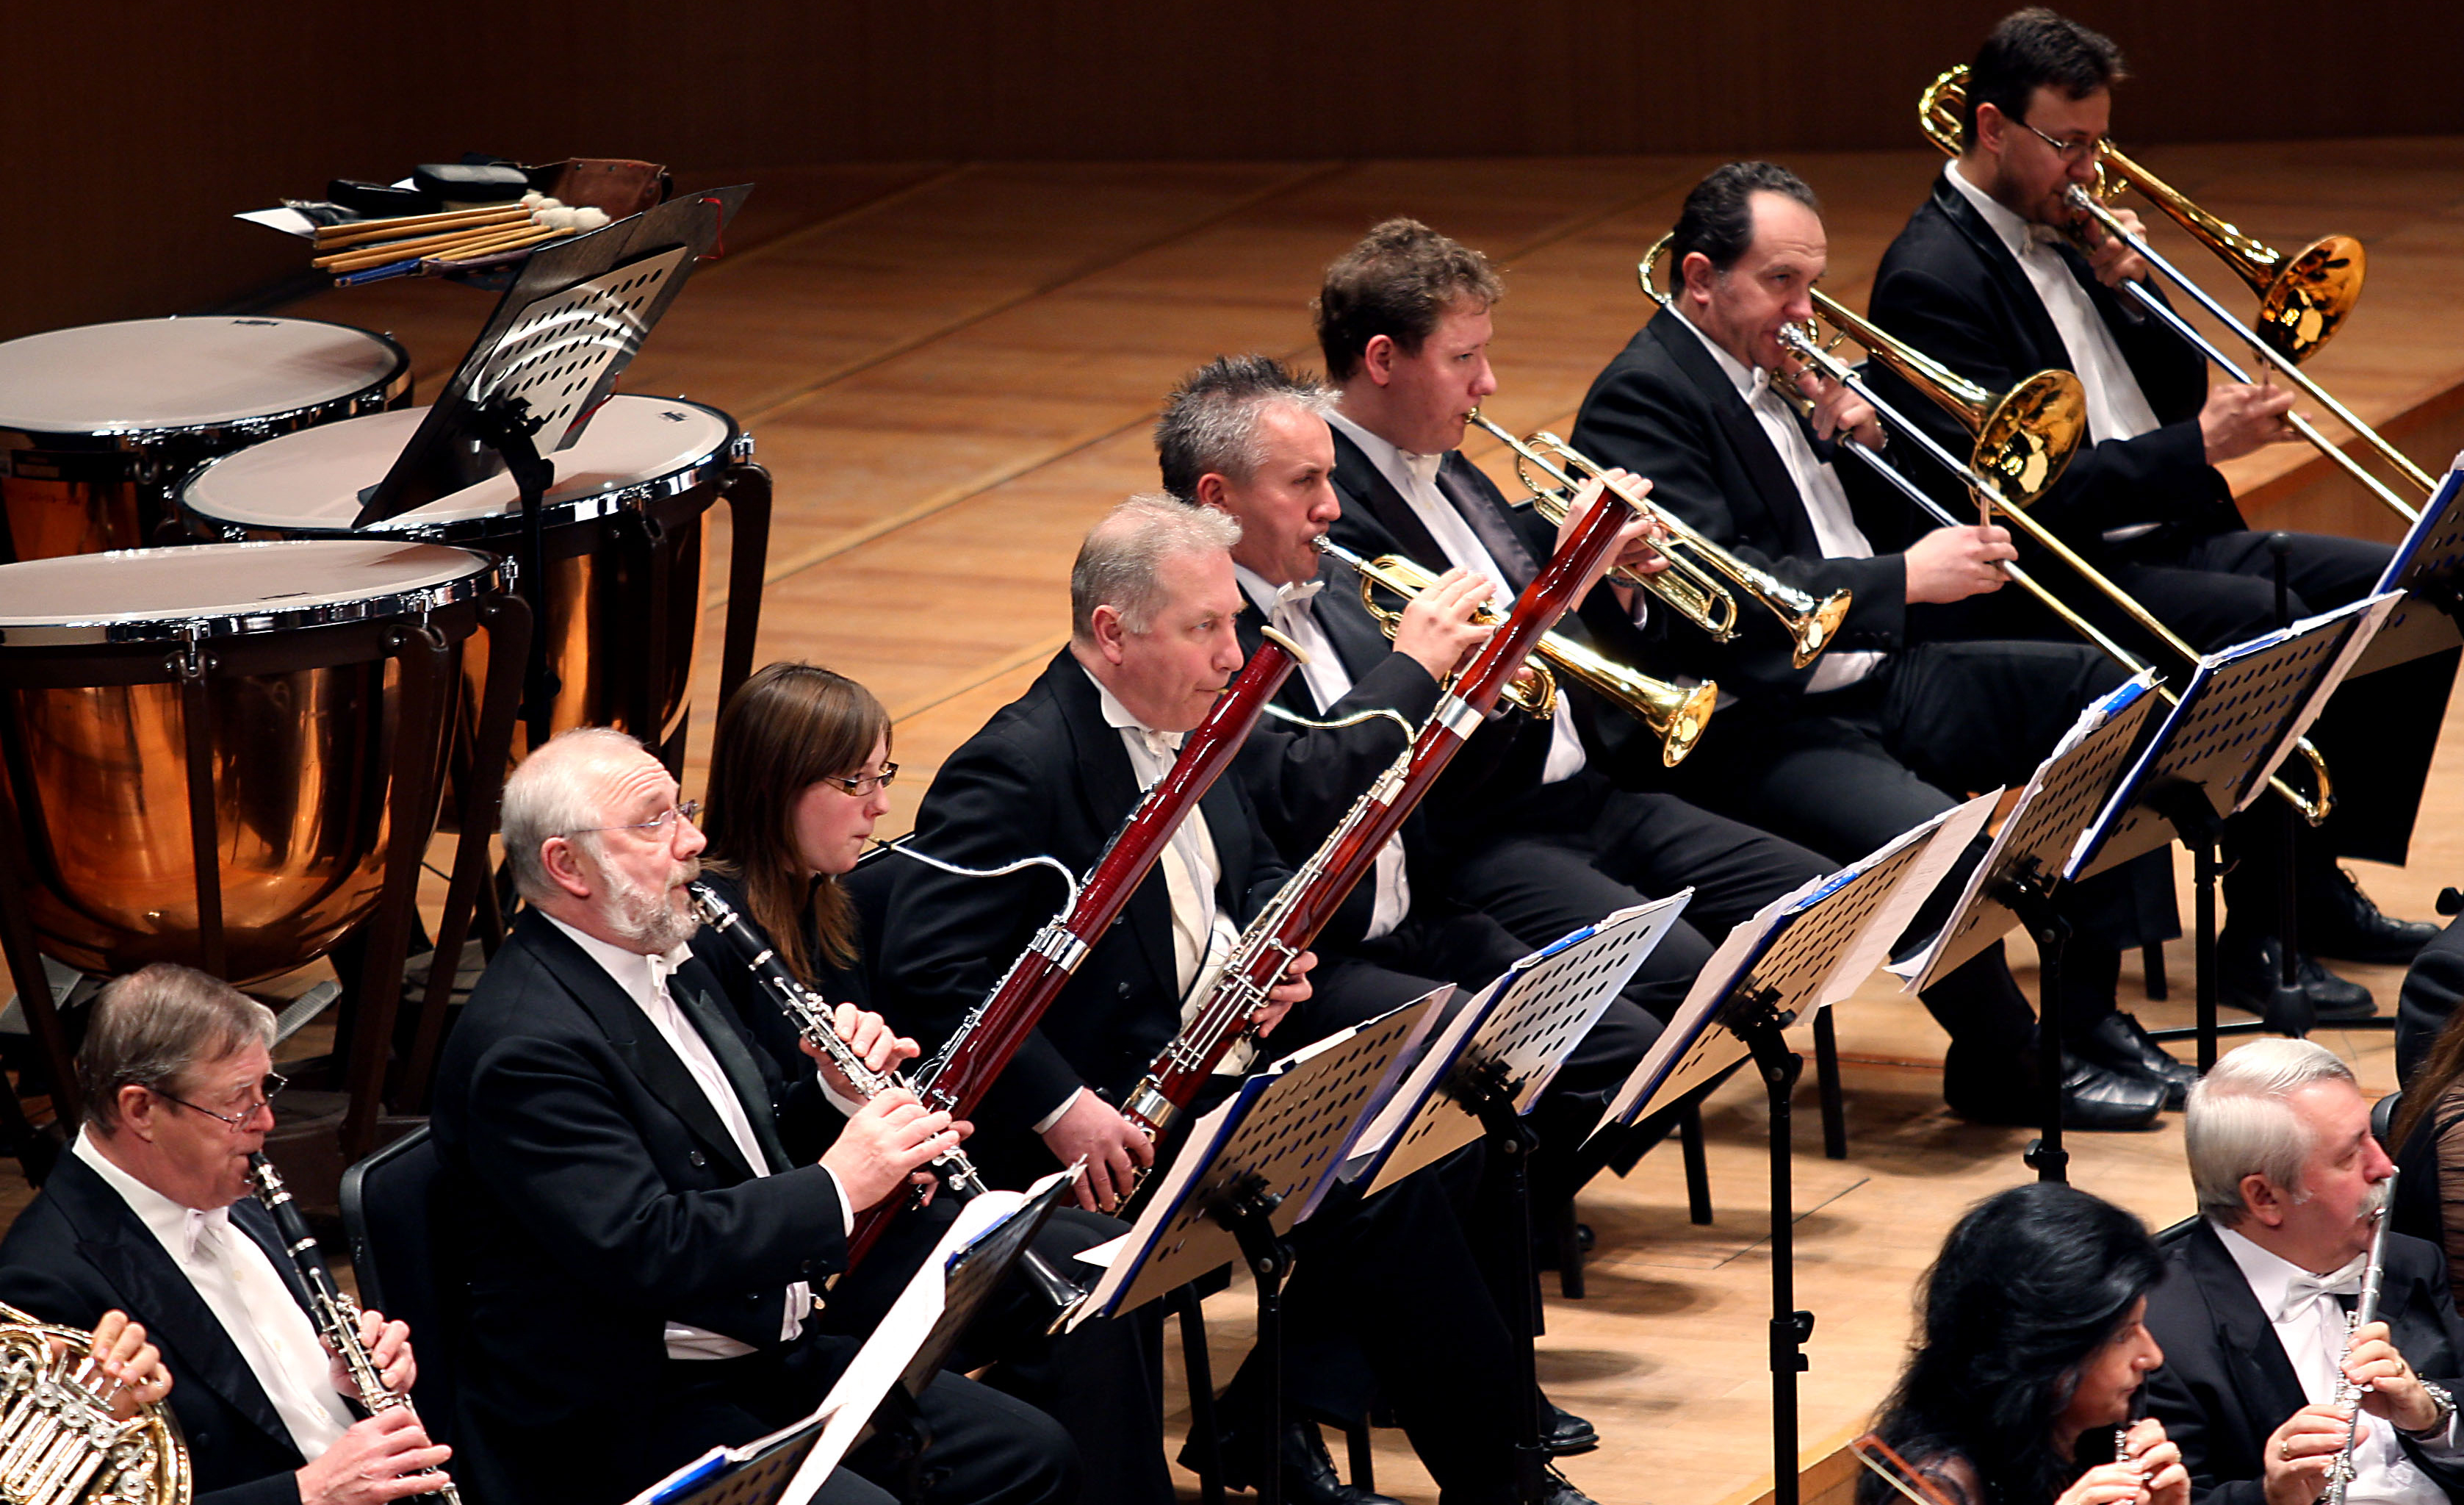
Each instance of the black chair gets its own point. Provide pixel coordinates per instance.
(2167, 1237)
(391, 1204)
(2382, 1120)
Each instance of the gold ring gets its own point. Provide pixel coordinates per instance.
(2284, 1449)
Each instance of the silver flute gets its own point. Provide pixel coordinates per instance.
(336, 1315)
(2366, 1311)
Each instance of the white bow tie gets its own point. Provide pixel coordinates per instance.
(1423, 467)
(2304, 1288)
(197, 1228)
(1163, 745)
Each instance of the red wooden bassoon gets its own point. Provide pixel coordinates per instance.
(1291, 921)
(957, 1078)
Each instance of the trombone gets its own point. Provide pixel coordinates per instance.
(1908, 363)
(1675, 713)
(1700, 575)
(2304, 300)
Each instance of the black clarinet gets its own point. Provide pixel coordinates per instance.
(336, 1315)
(813, 1019)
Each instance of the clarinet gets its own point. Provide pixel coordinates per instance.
(1309, 899)
(964, 1068)
(2366, 1311)
(811, 1016)
(336, 1315)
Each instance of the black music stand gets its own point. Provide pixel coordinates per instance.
(1248, 1172)
(2020, 881)
(544, 362)
(1803, 952)
(2428, 568)
(2235, 722)
(1483, 1076)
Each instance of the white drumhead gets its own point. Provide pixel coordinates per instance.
(278, 582)
(181, 373)
(311, 481)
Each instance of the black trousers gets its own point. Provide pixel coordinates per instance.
(1103, 1383)
(984, 1446)
(1845, 772)
(2378, 732)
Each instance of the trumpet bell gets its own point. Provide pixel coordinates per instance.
(1811, 631)
(1688, 712)
(2309, 301)
(2027, 439)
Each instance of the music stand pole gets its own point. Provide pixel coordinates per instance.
(2032, 897)
(506, 426)
(1485, 1090)
(1759, 1025)
(1245, 1208)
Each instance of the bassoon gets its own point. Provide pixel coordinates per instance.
(1291, 921)
(956, 1078)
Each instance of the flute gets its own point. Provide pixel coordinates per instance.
(2366, 1311)
(336, 1315)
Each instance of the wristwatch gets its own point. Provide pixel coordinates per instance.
(2445, 1404)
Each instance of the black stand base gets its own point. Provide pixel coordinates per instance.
(2033, 899)
(1247, 1208)
(1759, 1025)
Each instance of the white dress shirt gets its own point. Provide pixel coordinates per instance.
(2117, 408)
(645, 981)
(1414, 476)
(2311, 1325)
(1817, 487)
(236, 1279)
(1289, 610)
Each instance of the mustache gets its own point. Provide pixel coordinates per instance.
(2379, 1195)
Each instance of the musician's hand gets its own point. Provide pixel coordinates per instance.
(382, 1458)
(2106, 1484)
(889, 1137)
(1634, 547)
(1294, 988)
(133, 1365)
(2159, 1462)
(870, 1037)
(2237, 419)
(2112, 261)
(388, 1346)
(1837, 409)
(2390, 1389)
(1112, 1146)
(1954, 564)
(1437, 629)
(2298, 1453)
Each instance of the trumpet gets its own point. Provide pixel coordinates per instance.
(2303, 298)
(1675, 713)
(60, 1441)
(1703, 578)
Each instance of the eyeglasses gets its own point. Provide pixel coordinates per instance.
(664, 823)
(265, 1090)
(2072, 152)
(864, 784)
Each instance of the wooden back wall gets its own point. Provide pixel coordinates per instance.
(132, 131)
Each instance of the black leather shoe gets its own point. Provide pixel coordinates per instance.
(1309, 1473)
(2093, 1099)
(1568, 1433)
(2247, 975)
(2118, 1043)
(1558, 1489)
(2339, 920)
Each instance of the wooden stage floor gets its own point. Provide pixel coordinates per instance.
(950, 371)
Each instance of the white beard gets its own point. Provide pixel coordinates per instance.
(654, 923)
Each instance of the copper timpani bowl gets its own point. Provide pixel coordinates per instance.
(266, 677)
(625, 540)
(99, 422)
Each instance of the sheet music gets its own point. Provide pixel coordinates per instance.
(2054, 811)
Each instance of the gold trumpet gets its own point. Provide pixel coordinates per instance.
(2025, 437)
(1675, 713)
(1914, 367)
(1703, 578)
(2303, 298)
